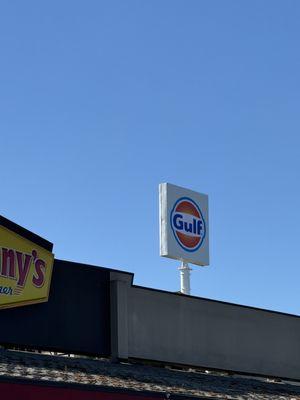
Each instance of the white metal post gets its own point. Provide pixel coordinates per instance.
(185, 270)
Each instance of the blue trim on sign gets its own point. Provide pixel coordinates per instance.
(204, 225)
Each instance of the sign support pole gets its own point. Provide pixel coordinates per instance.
(185, 272)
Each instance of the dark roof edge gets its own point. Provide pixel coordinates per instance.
(180, 294)
(38, 240)
(94, 266)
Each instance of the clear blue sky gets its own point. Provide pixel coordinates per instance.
(100, 101)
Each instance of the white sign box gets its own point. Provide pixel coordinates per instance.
(183, 224)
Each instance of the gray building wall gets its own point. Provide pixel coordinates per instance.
(180, 329)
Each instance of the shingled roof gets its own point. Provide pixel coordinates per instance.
(102, 373)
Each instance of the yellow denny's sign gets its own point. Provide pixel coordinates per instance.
(25, 270)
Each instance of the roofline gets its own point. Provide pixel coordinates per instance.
(216, 301)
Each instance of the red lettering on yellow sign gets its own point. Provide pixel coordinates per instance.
(16, 265)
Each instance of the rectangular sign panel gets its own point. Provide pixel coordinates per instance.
(25, 270)
(183, 224)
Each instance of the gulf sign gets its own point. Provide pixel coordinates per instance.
(25, 270)
(183, 224)
(188, 224)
